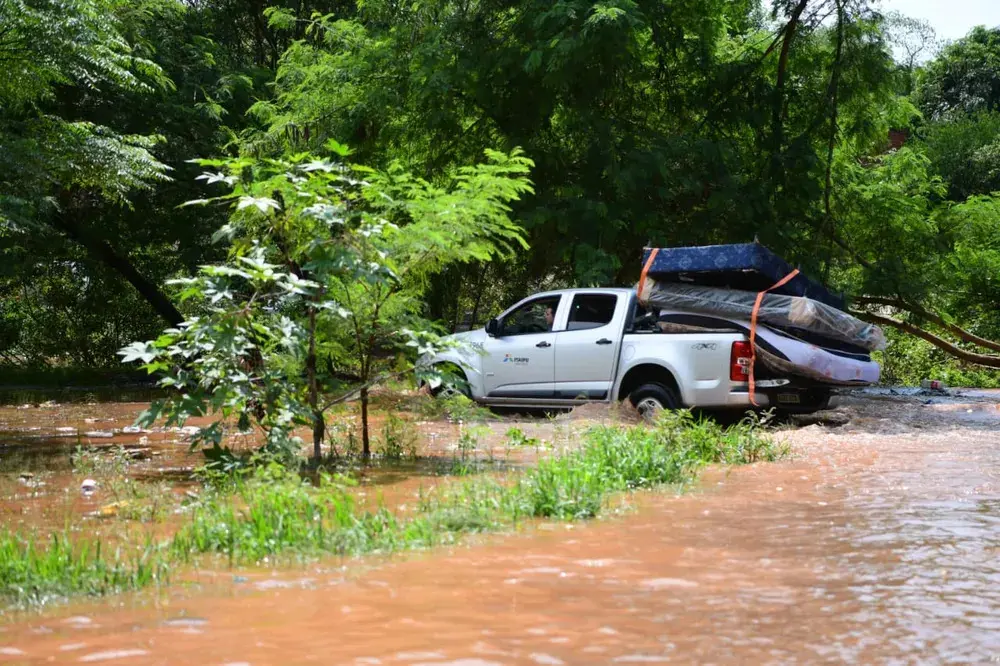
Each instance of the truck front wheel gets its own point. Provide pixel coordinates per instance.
(445, 390)
(650, 399)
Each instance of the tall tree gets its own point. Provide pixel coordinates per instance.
(964, 78)
(49, 158)
(94, 164)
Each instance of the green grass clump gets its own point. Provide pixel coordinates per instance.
(454, 407)
(398, 440)
(33, 574)
(616, 459)
(517, 438)
(276, 512)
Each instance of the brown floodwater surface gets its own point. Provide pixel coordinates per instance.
(40, 491)
(877, 541)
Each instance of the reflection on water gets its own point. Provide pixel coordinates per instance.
(877, 542)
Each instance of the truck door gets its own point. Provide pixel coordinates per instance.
(520, 361)
(588, 347)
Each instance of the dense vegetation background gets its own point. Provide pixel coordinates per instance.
(847, 140)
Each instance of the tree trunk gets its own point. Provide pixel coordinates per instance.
(319, 424)
(102, 251)
(832, 139)
(366, 452)
(777, 111)
(479, 296)
(436, 296)
(834, 89)
(319, 432)
(456, 317)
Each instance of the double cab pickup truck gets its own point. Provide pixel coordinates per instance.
(560, 349)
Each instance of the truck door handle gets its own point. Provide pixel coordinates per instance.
(543, 344)
(604, 341)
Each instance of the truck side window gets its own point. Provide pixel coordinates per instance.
(532, 317)
(591, 311)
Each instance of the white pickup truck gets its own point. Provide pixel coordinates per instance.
(559, 349)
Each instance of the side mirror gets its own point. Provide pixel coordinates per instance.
(493, 328)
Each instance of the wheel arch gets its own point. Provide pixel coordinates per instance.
(456, 368)
(647, 373)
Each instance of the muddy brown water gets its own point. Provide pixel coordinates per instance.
(877, 542)
(39, 489)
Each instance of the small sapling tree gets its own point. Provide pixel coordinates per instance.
(322, 284)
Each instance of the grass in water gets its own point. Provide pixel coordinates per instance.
(34, 573)
(275, 511)
(276, 514)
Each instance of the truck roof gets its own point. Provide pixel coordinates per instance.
(585, 290)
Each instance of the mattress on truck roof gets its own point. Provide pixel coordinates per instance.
(746, 266)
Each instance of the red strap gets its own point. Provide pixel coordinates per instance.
(753, 328)
(645, 270)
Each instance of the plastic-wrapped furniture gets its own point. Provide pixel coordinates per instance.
(794, 312)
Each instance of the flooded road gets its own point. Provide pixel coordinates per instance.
(878, 541)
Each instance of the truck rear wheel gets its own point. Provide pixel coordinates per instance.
(650, 399)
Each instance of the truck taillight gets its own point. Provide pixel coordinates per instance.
(739, 361)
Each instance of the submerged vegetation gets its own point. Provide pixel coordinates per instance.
(274, 514)
(35, 571)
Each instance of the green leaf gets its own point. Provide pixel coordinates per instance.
(263, 204)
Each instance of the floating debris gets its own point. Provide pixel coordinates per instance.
(110, 510)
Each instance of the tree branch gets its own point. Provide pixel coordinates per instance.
(101, 250)
(742, 81)
(985, 360)
(832, 140)
(842, 244)
(924, 313)
(436, 162)
(357, 389)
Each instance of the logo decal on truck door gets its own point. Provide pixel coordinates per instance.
(516, 360)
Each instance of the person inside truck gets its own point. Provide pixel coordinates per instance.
(549, 317)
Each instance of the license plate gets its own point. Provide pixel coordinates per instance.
(789, 398)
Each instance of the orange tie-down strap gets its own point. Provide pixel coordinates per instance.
(753, 328)
(645, 271)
